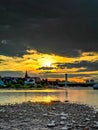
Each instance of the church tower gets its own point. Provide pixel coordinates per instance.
(26, 74)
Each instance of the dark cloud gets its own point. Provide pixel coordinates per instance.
(10, 48)
(87, 65)
(46, 68)
(71, 53)
(61, 65)
(1, 60)
(63, 27)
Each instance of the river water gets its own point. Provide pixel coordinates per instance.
(78, 95)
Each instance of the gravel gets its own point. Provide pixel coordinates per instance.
(48, 116)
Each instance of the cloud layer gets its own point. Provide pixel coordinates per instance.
(52, 26)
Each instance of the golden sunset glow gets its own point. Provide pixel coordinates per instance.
(40, 63)
(46, 99)
(46, 61)
(47, 64)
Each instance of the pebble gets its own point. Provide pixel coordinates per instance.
(39, 129)
(51, 124)
(95, 126)
(16, 129)
(63, 118)
(96, 122)
(64, 128)
(20, 114)
(34, 116)
(79, 125)
(53, 108)
(2, 110)
(87, 119)
(73, 121)
(63, 114)
(45, 114)
(62, 122)
(70, 124)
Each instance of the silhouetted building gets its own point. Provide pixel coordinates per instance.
(26, 75)
(87, 81)
(92, 81)
(66, 77)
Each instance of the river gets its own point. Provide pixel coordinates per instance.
(78, 95)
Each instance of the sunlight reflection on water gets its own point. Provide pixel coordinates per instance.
(80, 95)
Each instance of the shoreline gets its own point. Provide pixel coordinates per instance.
(59, 88)
(48, 116)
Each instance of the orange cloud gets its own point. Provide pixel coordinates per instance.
(34, 60)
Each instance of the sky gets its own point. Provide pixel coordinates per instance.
(49, 38)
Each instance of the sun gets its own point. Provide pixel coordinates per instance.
(47, 64)
(46, 61)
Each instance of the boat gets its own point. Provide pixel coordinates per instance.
(95, 86)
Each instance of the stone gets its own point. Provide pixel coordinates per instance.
(87, 119)
(73, 121)
(69, 124)
(64, 128)
(2, 110)
(63, 114)
(95, 126)
(20, 114)
(45, 114)
(53, 108)
(51, 124)
(63, 118)
(62, 122)
(34, 116)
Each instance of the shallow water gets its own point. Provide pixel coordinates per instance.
(79, 95)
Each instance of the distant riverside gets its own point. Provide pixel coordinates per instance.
(37, 82)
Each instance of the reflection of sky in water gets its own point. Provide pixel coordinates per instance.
(86, 96)
(19, 97)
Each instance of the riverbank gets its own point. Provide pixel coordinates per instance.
(50, 116)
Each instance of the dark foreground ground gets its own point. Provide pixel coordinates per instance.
(50, 116)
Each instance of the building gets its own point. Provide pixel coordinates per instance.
(2, 83)
(26, 75)
(31, 80)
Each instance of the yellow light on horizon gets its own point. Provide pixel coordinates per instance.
(47, 64)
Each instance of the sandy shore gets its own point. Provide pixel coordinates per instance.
(51, 116)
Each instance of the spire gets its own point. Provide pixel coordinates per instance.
(26, 74)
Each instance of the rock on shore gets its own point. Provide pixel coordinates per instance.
(50, 116)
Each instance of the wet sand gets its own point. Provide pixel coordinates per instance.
(48, 116)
